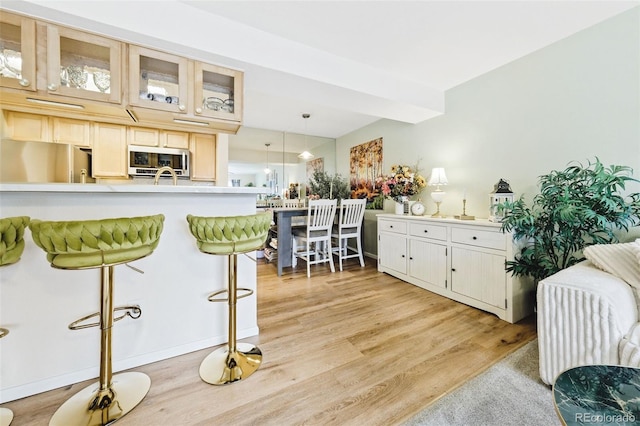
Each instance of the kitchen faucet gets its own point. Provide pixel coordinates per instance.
(163, 169)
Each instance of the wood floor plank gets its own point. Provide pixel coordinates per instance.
(345, 348)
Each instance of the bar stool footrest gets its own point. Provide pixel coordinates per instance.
(212, 297)
(221, 367)
(131, 311)
(128, 389)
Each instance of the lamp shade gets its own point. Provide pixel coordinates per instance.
(438, 177)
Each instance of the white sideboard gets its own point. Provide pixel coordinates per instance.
(461, 260)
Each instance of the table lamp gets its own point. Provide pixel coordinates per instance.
(437, 178)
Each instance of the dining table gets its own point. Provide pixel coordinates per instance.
(283, 216)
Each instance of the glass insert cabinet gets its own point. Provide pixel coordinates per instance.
(82, 65)
(17, 52)
(172, 83)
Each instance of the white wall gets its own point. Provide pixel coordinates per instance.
(574, 100)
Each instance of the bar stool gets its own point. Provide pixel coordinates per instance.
(11, 248)
(230, 236)
(101, 244)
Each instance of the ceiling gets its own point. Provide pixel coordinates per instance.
(347, 63)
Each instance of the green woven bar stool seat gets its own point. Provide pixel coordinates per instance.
(101, 244)
(92, 243)
(230, 236)
(11, 248)
(12, 238)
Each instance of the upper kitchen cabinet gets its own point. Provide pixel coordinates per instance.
(158, 80)
(82, 65)
(218, 92)
(17, 52)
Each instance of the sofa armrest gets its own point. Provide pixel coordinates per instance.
(583, 314)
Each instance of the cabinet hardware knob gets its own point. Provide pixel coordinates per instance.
(403, 255)
(453, 269)
(475, 238)
(181, 107)
(198, 110)
(24, 82)
(391, 226)
(52, 86)
(425, 231)
(410, 258)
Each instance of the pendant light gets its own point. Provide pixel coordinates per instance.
(305, 155)
(267, 170)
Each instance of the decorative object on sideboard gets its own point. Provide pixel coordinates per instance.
(464, 215)
(438, 178)
(306, 155)
(400, 185)
(417, 208)
(501, 193)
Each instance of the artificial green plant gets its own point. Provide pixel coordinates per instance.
(322, 185)
(576, 207)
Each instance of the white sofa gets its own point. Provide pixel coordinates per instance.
(586, 316)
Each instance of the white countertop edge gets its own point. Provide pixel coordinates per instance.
(128, 188)
(450, 219)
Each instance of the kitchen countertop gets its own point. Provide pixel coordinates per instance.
(129, 188)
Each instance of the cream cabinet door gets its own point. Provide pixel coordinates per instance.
(143, 136)
(217, 92)
(158, 80)
(392, 251)
(109, 157)
(428, 262)
(203, 157)
(18, 40)
(74, 132)
(170, 139)
(83, 65)
(479, 275)
(27, 127)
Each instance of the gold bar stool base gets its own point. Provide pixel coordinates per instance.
(129, 390)
(221, 367)
(6, 416)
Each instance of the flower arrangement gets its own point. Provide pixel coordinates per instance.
(402, 182)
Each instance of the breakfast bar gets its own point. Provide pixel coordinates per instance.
(37, 302)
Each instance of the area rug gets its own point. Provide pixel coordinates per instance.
(508, 393)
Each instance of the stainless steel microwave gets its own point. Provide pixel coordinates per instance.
(146, 160)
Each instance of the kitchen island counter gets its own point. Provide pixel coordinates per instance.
(37, 302)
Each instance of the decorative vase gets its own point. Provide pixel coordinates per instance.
(399, 208)
(403, 206)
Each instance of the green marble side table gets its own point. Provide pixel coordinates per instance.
(597, 395)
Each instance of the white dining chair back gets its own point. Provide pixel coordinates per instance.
(316, 235)
(274, 203)
(293, 203)
(349, 227)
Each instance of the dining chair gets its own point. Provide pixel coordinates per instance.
(290, 203)
(315, 237)
(348, 227)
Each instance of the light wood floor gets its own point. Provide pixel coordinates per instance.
(349, 348)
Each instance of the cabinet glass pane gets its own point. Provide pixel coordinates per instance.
(84, 65)
(217, 91)
(10, 51)
(159, 80)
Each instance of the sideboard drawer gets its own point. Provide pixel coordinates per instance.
(474, 237)
(428, 231)
(392, 226)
